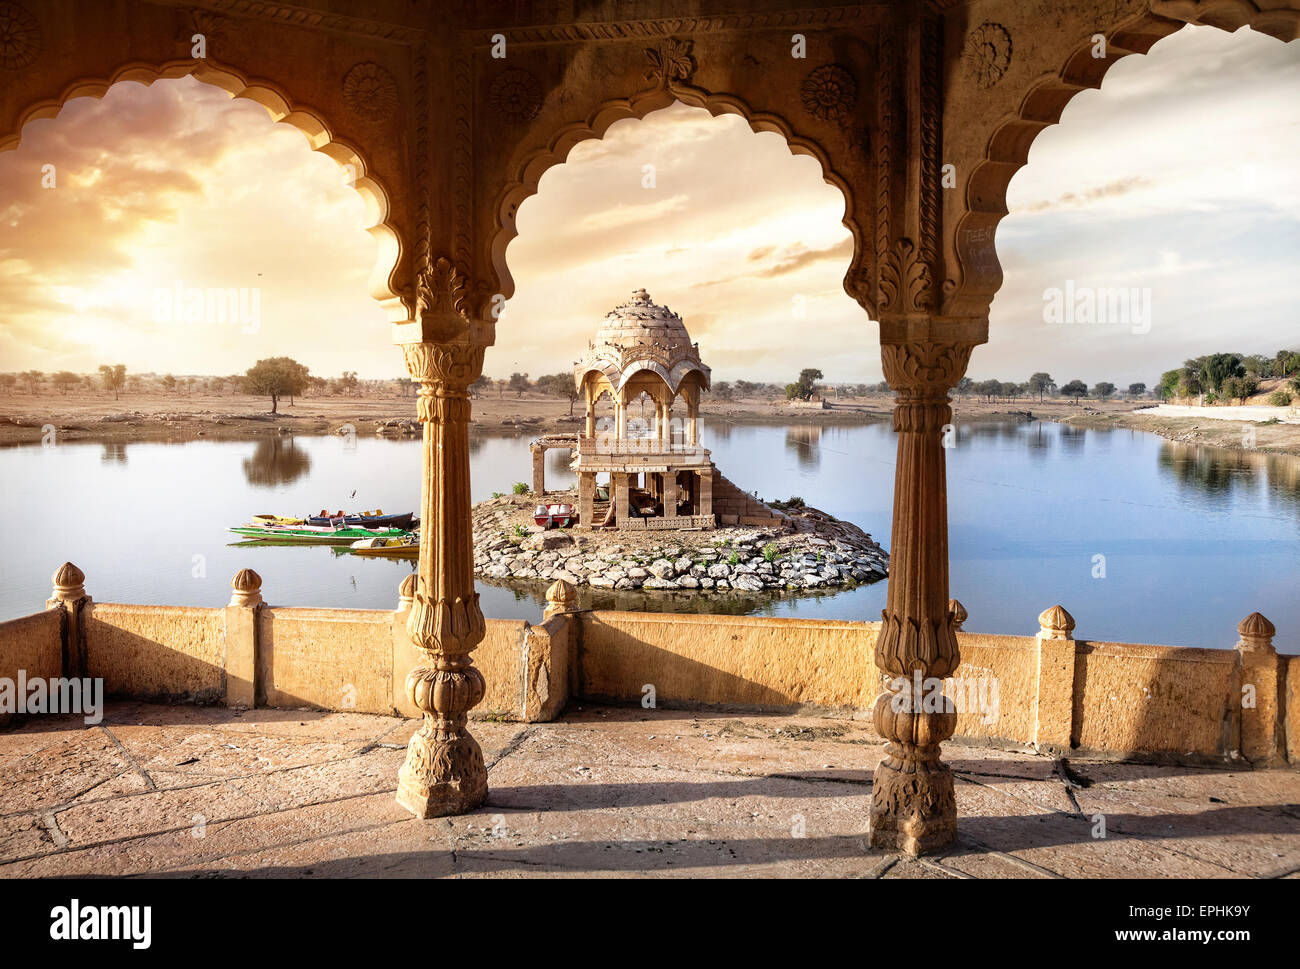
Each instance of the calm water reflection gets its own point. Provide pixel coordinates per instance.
(1193, 538)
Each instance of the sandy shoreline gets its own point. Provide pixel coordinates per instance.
(26, 419)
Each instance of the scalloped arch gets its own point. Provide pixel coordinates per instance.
(281, 109)
(534, 163)
(1007, 150)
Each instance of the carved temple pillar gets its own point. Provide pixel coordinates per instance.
(444, 771)
(913, 808)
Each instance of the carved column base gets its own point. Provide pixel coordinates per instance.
(444, 773)
(913, 806)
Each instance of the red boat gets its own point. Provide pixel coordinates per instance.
(555, 516)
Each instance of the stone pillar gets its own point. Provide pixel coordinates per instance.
(693, 428)
(241, 639)
(444, 771)
(591, 417)
(1054, 690)
(913, 807)
(586, 498)
(618, 489)
(539, 470)
(670, 493)
(69, 594)
(1262, 729)
(620, 420)
(706, 492)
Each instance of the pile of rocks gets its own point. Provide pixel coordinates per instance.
(722, 560)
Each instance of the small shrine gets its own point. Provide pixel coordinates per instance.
(659, 475)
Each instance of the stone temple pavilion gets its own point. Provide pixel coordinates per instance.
(660, 476)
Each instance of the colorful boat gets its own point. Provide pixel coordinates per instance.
(365, 519)
(389, 548)
(278, 520)
(316, 534)
(555, 516)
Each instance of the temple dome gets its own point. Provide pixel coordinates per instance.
(641, 335)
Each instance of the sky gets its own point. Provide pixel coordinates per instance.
(1177, 177)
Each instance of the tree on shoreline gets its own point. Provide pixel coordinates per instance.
(1075, 389)
(1040, 383)
(33, 380)
(805, 386)
(114, 378)
(276, 377)
(559, 385)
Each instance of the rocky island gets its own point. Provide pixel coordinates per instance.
(804, 549)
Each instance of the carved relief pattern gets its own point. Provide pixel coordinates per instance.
(370, 92)
(463, 172)
(450, 368)
(931, 67)
(904, 280)
(988, 51)
(829, 93)
(420, 97)
(884, 158)
(515, 95)
(641, 29)
(216, 29)
(20, 37)
(925, 368)
(441, 288)
(670, 62)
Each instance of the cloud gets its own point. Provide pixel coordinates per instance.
(1187, 151)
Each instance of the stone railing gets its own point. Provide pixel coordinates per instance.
(639, 445)
(1051, 691)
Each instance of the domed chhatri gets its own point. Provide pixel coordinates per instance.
(659, 476)
(640, 336)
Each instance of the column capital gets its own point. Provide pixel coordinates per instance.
(444, 372)
(925, 368)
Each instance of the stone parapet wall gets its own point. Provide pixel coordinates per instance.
(1055, 694)
(33, 644)
(1050, 691)
(156, 652)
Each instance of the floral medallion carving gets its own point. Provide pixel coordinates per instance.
(988, 51)
(20, 37)
(829, 93)
(671, 62)
(516, 95)
(370, 92)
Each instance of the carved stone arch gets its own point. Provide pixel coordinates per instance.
(383, 282)
(529, 163)
(1040, 105)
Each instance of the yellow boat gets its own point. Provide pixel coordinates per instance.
(277, 520)
(388, 548)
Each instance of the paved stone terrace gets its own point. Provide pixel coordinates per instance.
(608, 792)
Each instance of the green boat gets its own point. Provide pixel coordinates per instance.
(314, 534)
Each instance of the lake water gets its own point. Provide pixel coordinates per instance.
(1193, 538)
